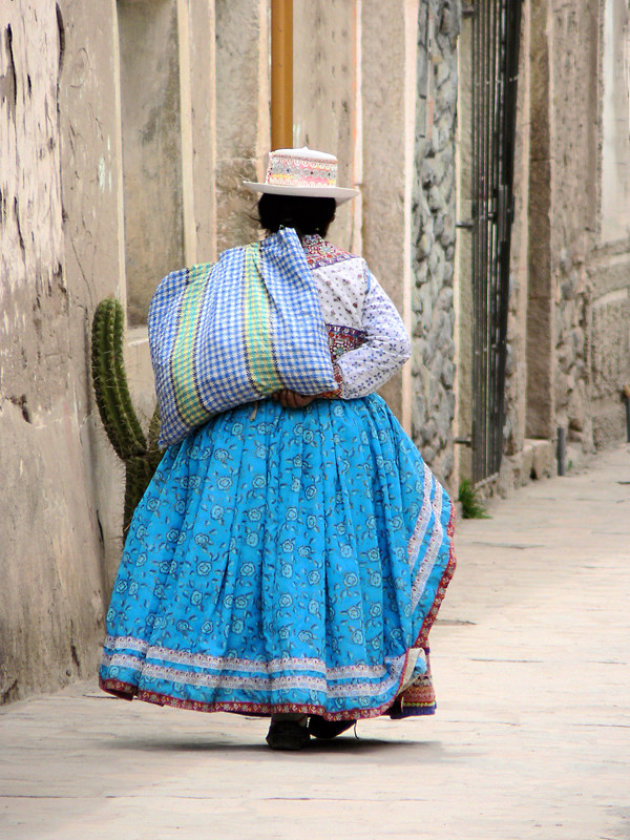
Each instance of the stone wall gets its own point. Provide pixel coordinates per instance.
(516, 362)
(574, 93)
(433, 232)
(579, 260)
(529, 304)
(608, 270)
(569, 336)
(608, 264)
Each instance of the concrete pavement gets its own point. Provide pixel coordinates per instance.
(531, 659)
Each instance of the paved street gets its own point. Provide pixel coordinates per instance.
(531, 659)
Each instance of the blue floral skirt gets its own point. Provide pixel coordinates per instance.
(282, 561)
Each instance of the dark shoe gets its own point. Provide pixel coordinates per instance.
(287, 735)
(319, 727)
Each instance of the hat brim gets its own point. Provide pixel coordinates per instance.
(340, 194)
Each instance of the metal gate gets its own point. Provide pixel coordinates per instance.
(495, 46)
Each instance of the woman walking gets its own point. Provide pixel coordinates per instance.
(290, 555)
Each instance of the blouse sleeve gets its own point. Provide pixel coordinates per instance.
(385, 350)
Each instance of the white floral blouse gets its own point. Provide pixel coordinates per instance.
(368, 340)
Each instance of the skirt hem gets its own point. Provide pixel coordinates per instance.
(447, 575)
(127, 691)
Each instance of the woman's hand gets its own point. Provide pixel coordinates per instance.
(289, 399)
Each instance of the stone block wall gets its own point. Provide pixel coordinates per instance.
(608, 264)
(579, 222)
(609, 344)
(568, 357)
(574, 92)
(433, 236)
(516, 362)
(570, 285)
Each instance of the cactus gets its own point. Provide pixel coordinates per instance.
(140, 453)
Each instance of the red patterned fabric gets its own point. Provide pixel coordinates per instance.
(320, 252)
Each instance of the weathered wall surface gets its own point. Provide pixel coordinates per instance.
(325, 78)
(569, 305)
(609, 277)
(242, 115)
(94, 245)
(152, 147)
(608, 264)
(579, 259)
(516, 362)
(77, 215)
(574, 93)
(615, 120)
(433, 226)
(568, 338)
(388, 117)
(51, 599)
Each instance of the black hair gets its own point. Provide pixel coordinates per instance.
(305, 214)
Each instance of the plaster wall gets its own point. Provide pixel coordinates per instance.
(540, 336)
(325, 85)
(169, 143)
(242, 115)
(389, 85)
(516, 363)
(528, 457)
(197, 76)
(169, 137)
(59, 252)
(152, 147)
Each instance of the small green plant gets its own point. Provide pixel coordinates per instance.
(140, 453)
(472, 506)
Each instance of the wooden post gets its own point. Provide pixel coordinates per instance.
(281, 74)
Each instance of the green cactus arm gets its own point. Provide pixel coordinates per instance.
(110, 381)
(102, 350)
(154, 431)
(135, 429)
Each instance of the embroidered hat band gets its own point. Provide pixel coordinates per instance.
(303, 172)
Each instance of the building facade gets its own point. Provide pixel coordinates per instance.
(126, 129)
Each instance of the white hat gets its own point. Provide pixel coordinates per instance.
(304, 172)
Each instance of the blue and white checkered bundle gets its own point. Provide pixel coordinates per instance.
(234, 332)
